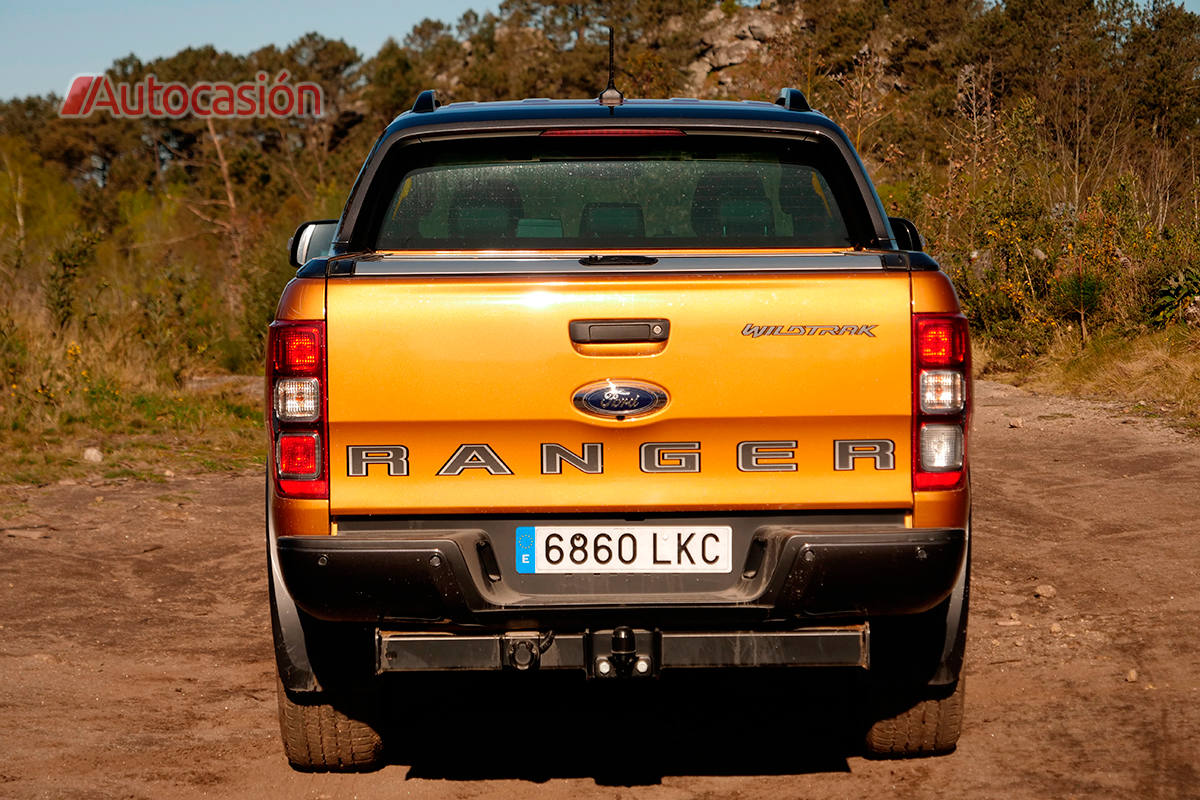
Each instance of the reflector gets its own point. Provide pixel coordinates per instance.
(931, 481)
(299, 455)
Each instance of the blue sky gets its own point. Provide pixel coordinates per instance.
(44, 43)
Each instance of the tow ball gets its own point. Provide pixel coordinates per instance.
(623, 660)
(523, 654)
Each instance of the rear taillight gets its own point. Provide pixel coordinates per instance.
(941, 402)
(297, 408)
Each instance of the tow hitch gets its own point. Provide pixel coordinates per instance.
(622, 659)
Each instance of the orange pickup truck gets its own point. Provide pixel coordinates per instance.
(624, 387)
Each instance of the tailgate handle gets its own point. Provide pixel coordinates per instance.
(622, 331)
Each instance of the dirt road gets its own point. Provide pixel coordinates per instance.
(135, 658)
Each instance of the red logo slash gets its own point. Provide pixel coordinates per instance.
(78, 93)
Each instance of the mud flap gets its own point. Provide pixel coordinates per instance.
(955, 644)
(291, 651)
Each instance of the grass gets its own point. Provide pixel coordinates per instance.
(141, 436)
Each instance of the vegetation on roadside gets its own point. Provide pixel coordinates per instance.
(1046, 149)
(1156, 374)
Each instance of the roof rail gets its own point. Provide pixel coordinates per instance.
(793, 100)
(426, 102)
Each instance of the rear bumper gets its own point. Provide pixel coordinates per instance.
(451, 579)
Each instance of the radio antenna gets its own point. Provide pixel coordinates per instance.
(611, 96)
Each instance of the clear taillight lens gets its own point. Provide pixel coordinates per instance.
(942, 392)
(941, 448)
(297, 399)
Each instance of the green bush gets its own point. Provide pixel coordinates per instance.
(1174, 295)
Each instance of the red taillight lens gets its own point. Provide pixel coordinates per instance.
(299, 455)
(297, 350)
(941, 341)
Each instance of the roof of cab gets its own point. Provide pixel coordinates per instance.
(593, 112)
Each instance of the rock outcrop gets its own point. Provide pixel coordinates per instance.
(732, 39)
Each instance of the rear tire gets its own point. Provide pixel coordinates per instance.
(319, 737)
(928, 726)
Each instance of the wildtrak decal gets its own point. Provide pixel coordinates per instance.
(808, 330)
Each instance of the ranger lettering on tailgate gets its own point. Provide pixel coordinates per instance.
(756, 456)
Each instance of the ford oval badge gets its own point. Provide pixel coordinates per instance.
(619, 399)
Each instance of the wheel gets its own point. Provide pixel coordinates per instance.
(928, 726)
(319, 737)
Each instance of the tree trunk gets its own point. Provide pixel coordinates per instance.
(233, 282)
(18, 196)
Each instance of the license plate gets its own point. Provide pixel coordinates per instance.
(638, 548)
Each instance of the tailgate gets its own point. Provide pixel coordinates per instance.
(456, 395)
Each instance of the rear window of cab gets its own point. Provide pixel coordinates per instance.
(618, 192)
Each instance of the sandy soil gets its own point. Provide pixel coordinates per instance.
(135, 656)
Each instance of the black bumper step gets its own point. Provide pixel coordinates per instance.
(451, 577)
(623, 652)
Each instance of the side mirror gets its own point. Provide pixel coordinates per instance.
(907, 236)
(311, 240)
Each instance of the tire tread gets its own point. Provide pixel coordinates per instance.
(321, 738)
(930, 726)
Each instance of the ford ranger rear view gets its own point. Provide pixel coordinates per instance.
(621, 387)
